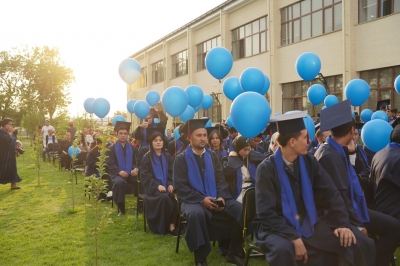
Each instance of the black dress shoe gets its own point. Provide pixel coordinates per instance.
(234, 259)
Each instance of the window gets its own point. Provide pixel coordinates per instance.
(372, 9)
(381, 82)
(250, 39)
(294, 94)
(310, 18)
(179, 64)
(143, 78)
(157, 72)
(202, 50)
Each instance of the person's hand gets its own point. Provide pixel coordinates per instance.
(123, 174)
(134, 172)
(161, 188)
(208, 204)
(351, 147)
(170, 189)
(364, 231)
(220, 208)
(232, 153)
(300, 250)
(144, 125)
(346, 236)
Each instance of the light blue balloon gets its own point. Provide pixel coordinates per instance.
(308, 65)
(231, 88)
(101, 107)
(323, 107)
(357, 91)
(252, 79)
(195, 95)
(187, 114)
(152, 97)
(207, 101)
(366, 115)
(88, 105)
(72, 150)
(250, 113)
(174, 101)
(197, 108)
(380, 115)
(156, 121)
(376, 134)
(129, 106)
(316, 94)
(209, 124)
(267, 84)
(229, 122)
(219, 62)
(331, 100)
(118, 118)
(142, 109)
(129, 70)
(176, 133)
(397, 84)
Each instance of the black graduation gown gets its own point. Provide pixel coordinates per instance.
(8, 162)
(370, 154)
(91, 160)
(385, 173)
(65, 159)
(198, 233)
(271, 228)
(159, 206)
(172, 145)
(138, 134)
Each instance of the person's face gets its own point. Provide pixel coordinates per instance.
(215, 141)
(122, 135)
(300, 145)
(356, 135)
(255, 142)
(234, 134)
(245, 151)
(392, 114)
(90, 131)
(199, 138)
(158, 143)
(47, 122)
(68, 136)
(18, 144)
(168, 132)
(149, 119)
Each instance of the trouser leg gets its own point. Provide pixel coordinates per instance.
(279, 251)
(44, 152)
(119, 189)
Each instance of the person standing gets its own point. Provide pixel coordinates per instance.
(72, 130)
(8, 161)
(140, 132)
(45, 131)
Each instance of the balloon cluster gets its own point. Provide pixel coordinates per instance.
(100, 106)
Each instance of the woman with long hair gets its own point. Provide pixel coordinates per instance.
(216, 136)
(156, 176)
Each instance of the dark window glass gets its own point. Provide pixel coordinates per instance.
(206, 46)
(179, 64)
(372, 9)
(157, 72)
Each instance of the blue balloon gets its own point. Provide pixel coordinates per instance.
(129, 106)
(101, 107)
(129, 70)
(331, 100)
(197, 108)
(308, 65)
(316, 94)
(142, 109)
(376, 134)
(397, 84)
(252, 79)
(118, 118)
(156, 121)
(207, 101)
(72, 150)
(174, 101)
(357, 91)
(267, 84)
(209, 124)
(232, 88)
(380, 115)
(229, 122)
(187, 114)
(195, 95)
(152, 97)
(250, 113)
(219, 62)
(366, 115)
(88, 105)
(323, 107)
(176, 133)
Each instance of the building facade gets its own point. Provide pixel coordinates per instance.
(353, 38)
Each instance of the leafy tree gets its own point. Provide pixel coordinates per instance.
(120, 112)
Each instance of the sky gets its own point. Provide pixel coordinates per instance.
(93, 37)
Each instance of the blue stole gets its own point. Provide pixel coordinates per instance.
(208, 188)
(289, 208)
(160, 168)
(354, 193)
(230, 147)
(124, 163)
(179, 145)
(364, 158)
(223, 153)
(239, 178)
(394, 145)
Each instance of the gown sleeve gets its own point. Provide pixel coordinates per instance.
(150, 183)
(111, 161)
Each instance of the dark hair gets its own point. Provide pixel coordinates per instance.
(5, 121)
(342, 130)
(318, 114)
(211, 136)
(284, 139)
(39, 127)
(155, 135)
(395, 135)
(393, 110)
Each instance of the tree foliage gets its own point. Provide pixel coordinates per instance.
(121, 112)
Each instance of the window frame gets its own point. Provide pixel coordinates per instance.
(175, 65)
(204, 53)
(143, 78)
(156, 73)
(378, 10)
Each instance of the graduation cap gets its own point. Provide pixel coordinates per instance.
(382, 104)
(289, 123)
(336, 115)
(153, 132)
(271, 129)
(122, 125)
(192, 125)
(220, 129)
(183, 139)
(359, 125)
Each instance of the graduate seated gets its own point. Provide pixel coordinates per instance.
(156, 177)
(255, 143)
(320, 137)
(65, 159)
(289, 226)
(333, 156)
(232, 135)
(205, 199)
(121, 165)
(216, 135)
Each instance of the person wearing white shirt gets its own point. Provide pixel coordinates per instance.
(45, 131)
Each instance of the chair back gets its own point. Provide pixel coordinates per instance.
(249, 210)
(81, 158)
(53, 147)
